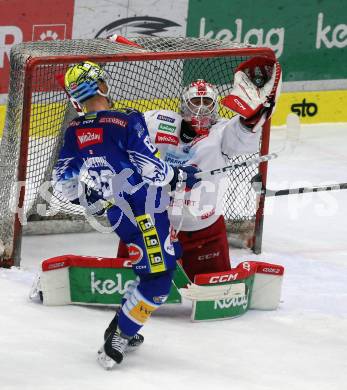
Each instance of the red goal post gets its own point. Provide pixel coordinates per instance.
(38, 112)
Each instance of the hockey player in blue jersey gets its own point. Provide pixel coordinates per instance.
(107, 163)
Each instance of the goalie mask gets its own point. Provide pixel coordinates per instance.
(81, 81)
(199, 106)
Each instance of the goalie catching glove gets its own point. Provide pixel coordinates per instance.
(257, 84)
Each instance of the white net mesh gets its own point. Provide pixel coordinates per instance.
(153, 81)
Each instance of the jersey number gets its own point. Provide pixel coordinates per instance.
(101, 180)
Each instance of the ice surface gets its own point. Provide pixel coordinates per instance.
(301, 346)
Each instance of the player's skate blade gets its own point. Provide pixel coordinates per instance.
(105, 361)
(134, 342)
(113, 350)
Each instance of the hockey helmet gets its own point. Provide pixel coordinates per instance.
(81, 81)
(199, 106)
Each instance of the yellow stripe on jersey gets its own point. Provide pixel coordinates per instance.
(152, 243)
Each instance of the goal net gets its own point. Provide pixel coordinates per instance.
(38, 112)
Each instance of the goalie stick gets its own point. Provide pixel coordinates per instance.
(293, 130)
(292, 136)
(299, 190)
(193, 292)
(246, 163)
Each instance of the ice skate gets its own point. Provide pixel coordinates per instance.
(113, 351)
(134, 342)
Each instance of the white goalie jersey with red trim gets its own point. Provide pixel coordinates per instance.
(227, 138)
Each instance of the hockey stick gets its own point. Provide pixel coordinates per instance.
(193, 292)
(298, 190)
(292, 136)
(246, 163)
(293, 129)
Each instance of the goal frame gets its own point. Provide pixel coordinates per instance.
(33, 62)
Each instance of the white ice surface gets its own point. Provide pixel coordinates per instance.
(301, 346)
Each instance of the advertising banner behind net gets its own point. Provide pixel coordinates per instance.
(22, 21)
(309, 37)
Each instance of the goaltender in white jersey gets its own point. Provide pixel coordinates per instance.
(226, 138)
(197, 136)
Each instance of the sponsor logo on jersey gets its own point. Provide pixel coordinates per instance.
(151, 240)
(168, 245)
(167, 128)
(114, 121)
(97, 162)
(156, 258)
(166, 118)
(74, 123)
(88, 137)
(175, 160)
(162, 138)
(135, 253)
(145, 222)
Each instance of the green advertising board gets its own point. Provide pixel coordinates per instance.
(309, 36)
(105, 286)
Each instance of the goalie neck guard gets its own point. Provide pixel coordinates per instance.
(199, 106)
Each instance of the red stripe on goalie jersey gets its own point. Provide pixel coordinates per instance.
(88, 137)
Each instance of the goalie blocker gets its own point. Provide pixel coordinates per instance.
(71, 279)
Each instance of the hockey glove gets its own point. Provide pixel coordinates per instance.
(184, 178)
(257, 84)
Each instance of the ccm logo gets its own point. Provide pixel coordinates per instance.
(208, 256)
(223, 278)
(237, 101)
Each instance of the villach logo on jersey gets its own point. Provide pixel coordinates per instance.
(146, 25)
